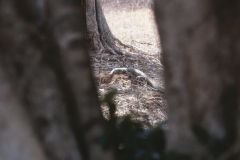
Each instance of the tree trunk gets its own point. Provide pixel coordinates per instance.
(200, 44)
(43, 55)
(17, 139)
(49, 107)
(99, 35)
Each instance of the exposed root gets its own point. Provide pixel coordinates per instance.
(135, 96)
(114, 50)
(122, 44)
(136, 73)
(99, 35)
(132, 48)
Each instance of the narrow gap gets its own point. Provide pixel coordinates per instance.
(133, 23)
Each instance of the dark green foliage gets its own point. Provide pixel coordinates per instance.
(131, 141)
(128, 138)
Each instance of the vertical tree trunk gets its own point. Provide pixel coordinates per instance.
(200, 44)
(71, 63)
(17, 139)
(99, 35)
(43, 55)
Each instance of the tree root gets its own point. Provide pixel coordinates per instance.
(136, 73)
(99, 35)
(132, 48)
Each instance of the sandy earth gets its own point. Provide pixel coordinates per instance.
(137, 28)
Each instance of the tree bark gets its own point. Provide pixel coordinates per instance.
(17, 139)
(49, 107)
(69, 54)
(99, 35)
(44, 57)
(200, 44)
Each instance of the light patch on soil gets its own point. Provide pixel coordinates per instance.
(136, 28)
(135, 96)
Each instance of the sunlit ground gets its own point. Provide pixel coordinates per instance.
(136, 27)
